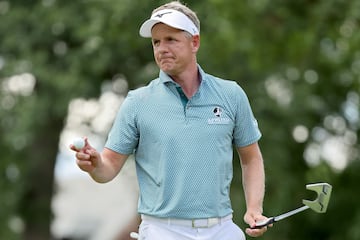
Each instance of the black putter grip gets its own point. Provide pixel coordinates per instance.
(264, 223)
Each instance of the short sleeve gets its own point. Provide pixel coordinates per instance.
(246, 130)
(124, 135)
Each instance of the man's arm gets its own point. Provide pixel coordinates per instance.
(253, 178)
(112, 162)
(102, 167)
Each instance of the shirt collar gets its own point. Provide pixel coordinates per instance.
(165, 78)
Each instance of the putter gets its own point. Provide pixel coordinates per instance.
(319, 205)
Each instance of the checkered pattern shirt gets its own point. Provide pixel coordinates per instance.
(184, 147)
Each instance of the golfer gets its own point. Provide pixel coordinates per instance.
(182, 128)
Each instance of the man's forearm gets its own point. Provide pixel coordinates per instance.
(254, 184)
(109, 166)
(253, 176)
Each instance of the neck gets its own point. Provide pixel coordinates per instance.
(188, 80)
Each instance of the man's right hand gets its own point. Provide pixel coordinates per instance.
(87, 158)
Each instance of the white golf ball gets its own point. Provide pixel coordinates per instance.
(134, 235)
(79, 143)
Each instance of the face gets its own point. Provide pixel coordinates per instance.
(173, 49)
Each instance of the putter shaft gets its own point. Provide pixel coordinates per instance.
(271, 220)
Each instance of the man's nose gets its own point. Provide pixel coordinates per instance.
(162, 47)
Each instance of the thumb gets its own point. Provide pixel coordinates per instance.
(87, 144)
(252, 217)
(249, 219)
(88, 148)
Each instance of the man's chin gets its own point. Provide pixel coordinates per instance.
(167, 68)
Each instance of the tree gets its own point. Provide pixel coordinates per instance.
(66, 49)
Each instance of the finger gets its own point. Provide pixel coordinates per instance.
(250, 220)
(252, 223)
(256, 232)
(83, 162)
(82, 155)
(84, 165)
(72, 147)
(86, 141)
(93, 154)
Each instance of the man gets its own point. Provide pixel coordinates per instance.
(182, 128)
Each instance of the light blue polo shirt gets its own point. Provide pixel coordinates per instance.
(184, 149)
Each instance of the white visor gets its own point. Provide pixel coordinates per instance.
(170, 17)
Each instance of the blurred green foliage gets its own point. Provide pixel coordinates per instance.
(298, 61)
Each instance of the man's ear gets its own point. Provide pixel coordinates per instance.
(196, 43)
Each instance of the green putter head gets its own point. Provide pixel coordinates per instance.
(323, 191)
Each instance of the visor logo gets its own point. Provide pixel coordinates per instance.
(161, 14)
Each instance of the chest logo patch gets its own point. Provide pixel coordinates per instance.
(217, 111)
(218, 119)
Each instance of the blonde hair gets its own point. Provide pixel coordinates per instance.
(177, 5)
